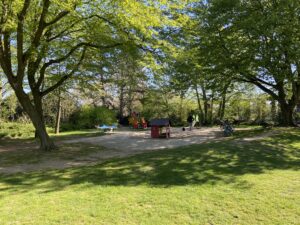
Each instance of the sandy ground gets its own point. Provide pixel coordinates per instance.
(141, 140)
(125, 143)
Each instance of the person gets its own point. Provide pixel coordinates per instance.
(228, 130)
(190, 120)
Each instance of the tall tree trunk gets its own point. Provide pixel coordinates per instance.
(211, 108)
(199, 104)
(286, 114)
(223, 101)
(181, 107)
(205, 103)
(273, 109)
(121, 100)
(220, 108)
(35, 114)
(222, 105)
(287, 107)
(130, 100)
(1, 95)
(58, 113)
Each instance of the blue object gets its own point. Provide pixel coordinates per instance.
(107, 127)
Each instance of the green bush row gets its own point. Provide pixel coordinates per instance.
(88, 117)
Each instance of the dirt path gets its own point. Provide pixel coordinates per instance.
(125, 143)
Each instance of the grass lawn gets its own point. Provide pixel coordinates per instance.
(222, 182)
(24, 131)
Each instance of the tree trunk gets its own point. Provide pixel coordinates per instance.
(58, 113)
(287, 107)
(181, 108)
(199, 104)
(219, 109)
(130, 100)
(1, 97)
(46, 144)
(273, 109)
(211, 108)
(205, 103)
(223, 104)
(121, 99)
(287, 111)
(35, 114)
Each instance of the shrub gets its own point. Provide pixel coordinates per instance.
(16, 129)
(87, 117)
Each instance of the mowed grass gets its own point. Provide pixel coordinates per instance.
(25, 131)
(222, 182)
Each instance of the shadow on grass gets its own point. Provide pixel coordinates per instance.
(250, 132)
(211, 163)
(15, 151)
(32, 156)
(76, 134)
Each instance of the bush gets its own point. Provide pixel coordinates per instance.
(16, 129)
(88, 117)
(176, 121)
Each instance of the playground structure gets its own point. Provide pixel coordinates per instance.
(158, 126)
(137, 122)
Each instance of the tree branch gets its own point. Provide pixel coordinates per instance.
(100, 17)
(72, 50)
(57, 18)
(42, 24)
(20, 41)
(262, 87)
(64, 78)
(64, 32)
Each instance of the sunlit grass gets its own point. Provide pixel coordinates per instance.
(16, 130)
(221, 182)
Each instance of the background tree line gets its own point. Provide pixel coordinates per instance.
(217, 58)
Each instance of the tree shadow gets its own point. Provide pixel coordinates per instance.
(211, 163)
(7, 140)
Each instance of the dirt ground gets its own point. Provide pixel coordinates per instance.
(123, 143)
(141, 140)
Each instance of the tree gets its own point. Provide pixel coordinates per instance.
(258, 41)
(36, 35)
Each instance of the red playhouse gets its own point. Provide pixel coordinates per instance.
(158, 126)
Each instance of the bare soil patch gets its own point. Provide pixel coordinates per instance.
(124, 143)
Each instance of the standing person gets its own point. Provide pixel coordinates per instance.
(190, 120)
(196, 122)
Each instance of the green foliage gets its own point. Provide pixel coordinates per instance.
(50, 106)
(160, 104)
(256, 41)
(8, 107)
(89, 117)
(16, 130)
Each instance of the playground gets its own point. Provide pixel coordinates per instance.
(123, 142)
(125, 139)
